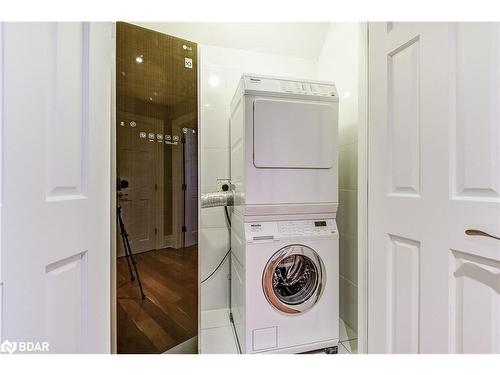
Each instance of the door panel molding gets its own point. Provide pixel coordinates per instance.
(403, 106)
(67, 136)
(475, 115)
(66, 324)
(403, 273)
(474, 303)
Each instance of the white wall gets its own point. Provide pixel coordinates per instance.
(339, 62)
(221, 69)
(332, 54)
(293, 39)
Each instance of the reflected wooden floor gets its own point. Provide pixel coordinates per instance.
(169, 314)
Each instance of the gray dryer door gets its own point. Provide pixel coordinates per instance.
(294, 133)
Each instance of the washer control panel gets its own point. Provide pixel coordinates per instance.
(275, 230)
(307, 227)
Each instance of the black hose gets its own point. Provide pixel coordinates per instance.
(227, 217)
(225, 255)
(217, 268)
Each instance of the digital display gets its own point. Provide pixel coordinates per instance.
(320, 223)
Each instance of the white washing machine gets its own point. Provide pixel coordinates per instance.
(284, 239)
(284, 146)
(284, 283)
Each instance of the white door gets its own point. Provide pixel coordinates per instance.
(434, 172)
(191, 187)
(56, 220)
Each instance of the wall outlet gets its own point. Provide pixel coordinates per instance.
(222, 181)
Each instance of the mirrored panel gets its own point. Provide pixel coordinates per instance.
(157, 179)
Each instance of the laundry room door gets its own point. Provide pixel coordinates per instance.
(56, 193)
(434, 183)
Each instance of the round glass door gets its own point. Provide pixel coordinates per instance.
(294, 279)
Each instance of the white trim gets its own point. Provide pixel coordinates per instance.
(363, 190)
(1, 172)
(114, 318)
(198, 94)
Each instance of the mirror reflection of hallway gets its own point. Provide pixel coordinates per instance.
(157, 156)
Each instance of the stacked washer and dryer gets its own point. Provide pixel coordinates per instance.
(284, 237)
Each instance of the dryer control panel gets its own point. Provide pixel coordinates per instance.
(290, 86)
(275, 230)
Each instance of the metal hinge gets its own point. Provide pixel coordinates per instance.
(184, 187)
(183, 229)
(156, 230)
(156, 186)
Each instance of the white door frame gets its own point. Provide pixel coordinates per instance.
(114, 317)
(1, 164)
(363, 122)
(198, 107)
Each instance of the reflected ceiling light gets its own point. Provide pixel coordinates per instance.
(150, 98)
(139, 59)
(213, 81)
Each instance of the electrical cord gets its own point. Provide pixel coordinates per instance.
(227, 217)
(225, 255)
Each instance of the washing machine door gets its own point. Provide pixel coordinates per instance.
(294, 279)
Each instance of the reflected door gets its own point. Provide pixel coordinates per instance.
(137, 163)
(190, 143)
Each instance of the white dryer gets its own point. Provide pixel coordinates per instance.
(285, 282)
(284, 146)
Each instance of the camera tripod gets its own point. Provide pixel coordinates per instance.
(128, 252)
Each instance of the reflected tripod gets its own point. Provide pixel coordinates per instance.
(128, 251)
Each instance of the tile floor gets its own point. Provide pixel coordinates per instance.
(217, 335)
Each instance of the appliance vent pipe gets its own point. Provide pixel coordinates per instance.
(217, 199)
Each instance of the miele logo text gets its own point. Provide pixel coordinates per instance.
(24, 347)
